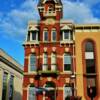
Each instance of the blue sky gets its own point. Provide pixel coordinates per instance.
(15, 14)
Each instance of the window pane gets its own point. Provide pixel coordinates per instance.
(45, 35)
(90, 66)
(11, 88)
(45, 58)
(53, 35)
(67, 92)
(33, 35)
(32, 62)
(53, 58)
(66, 35)
(67, 62)
(4, 89)
(32, 93)
(89, 47)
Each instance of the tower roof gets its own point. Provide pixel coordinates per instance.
(41, 2)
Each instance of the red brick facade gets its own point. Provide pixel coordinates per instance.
(50, 18)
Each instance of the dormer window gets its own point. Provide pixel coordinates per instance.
(66, 33)
(34, 35)
(45, 34)
(50, 8)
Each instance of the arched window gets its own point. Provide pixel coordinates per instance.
(89, 57)
(67, 62)
(51, 90)
(32, 93)
(53, 34)
(90, 68)
(32, 63)
(67, 92)
(45, 34)
(45, 61)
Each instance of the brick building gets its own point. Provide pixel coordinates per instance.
(61, 57)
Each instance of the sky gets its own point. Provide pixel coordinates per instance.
(15, 14)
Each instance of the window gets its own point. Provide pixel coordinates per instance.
(53, 35)
(53, 58)
(89, 46)
(67, 62)
(45, 61)
(4, 88)
(11, 87)
(45, 37)
(91, 83)
(28, 37)
(53, 62)
(67, 92)
(51, 90)
(32, 94)
(66, 34)
(89, 57)
(32, 62)
(34, 35)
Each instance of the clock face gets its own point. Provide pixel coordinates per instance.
(50, 21)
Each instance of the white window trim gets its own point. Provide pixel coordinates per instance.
(29, 65)
(68, 72)
(31, 36)
(52, 35)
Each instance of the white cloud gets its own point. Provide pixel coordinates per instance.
(78, 12)
(91, 2)
(14, 23)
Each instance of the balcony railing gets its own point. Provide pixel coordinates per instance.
(49, 13)
(66, 41)
(49, 69)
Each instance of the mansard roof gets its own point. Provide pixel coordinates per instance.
(41, 2)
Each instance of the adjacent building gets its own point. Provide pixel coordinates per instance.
(11, 78)
(61, 58)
